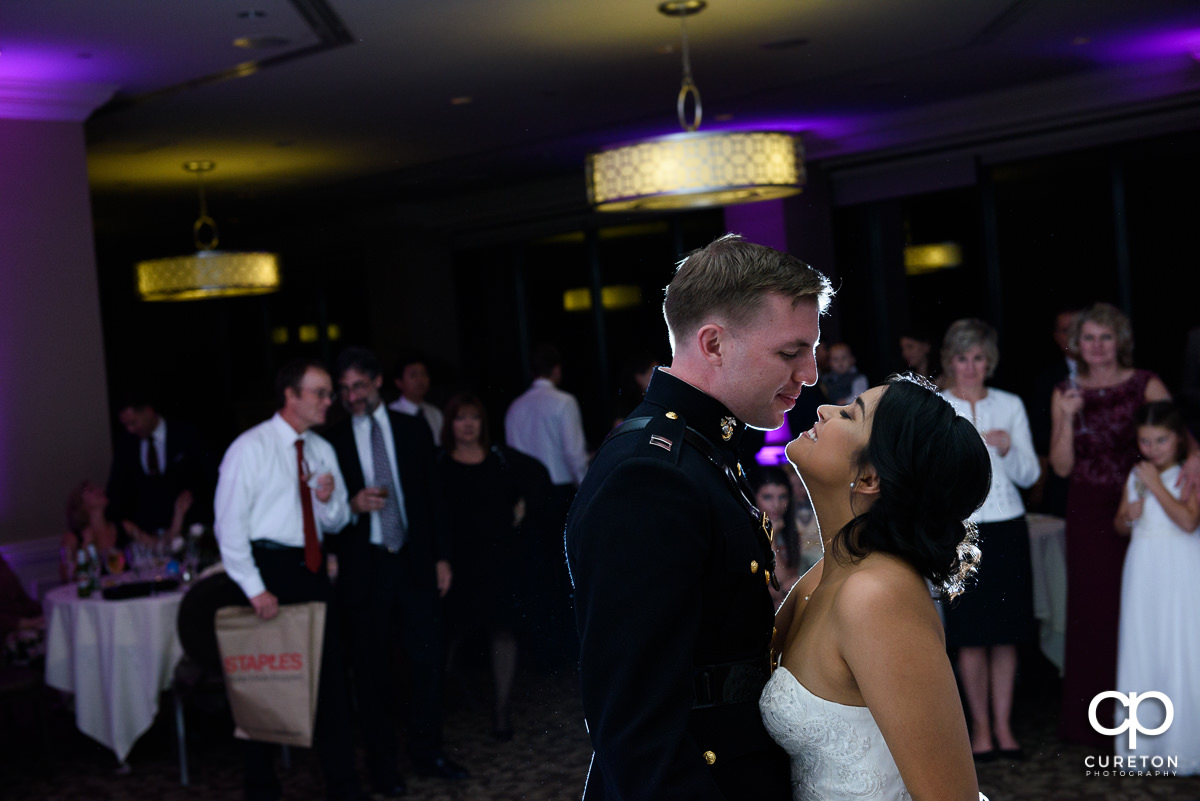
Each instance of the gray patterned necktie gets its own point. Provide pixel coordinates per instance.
(390, 521)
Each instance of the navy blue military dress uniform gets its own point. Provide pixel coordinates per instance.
(671, 564)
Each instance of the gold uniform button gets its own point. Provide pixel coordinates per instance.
(672, 416)
(767, 575)
(753, 566)
(710, 757)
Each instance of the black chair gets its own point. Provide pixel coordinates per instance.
(20, 685)
(199, 681)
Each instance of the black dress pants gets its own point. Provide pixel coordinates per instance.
(284, 573)
(390, 595)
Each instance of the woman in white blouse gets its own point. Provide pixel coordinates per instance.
(991, 619)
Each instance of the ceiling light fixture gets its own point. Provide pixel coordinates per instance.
(209, 273)
(692, 169)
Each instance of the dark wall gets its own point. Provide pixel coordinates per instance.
(1037, 235)
(1057, 244)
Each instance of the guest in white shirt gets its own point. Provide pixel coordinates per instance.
(412, 379)
(993, 617)
(278, 493)
(545, 422)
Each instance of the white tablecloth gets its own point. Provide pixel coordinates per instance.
(115, 656)
(1047, 549)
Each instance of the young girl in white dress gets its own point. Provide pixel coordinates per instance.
(1159, 642)
(864, 699)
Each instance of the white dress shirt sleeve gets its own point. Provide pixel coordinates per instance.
(1021, 462)
(234, 501)
(334, 514)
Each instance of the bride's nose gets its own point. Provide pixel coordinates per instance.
(823, 412)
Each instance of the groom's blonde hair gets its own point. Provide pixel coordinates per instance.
(729, 278)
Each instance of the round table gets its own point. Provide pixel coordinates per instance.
(115, 656)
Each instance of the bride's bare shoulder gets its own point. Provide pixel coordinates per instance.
(883, 591)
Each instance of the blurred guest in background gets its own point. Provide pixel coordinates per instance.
(152, 466)
(412, 379)
(916, 348)
(487, 495)
(88, 524)
(22, 627)
(1093, 443)
(279, 494)
(546, 423)
(842, 383)
(1189, 388)
(988, 621)
(1049, 495)
(773, 497)
(393, 564)
(1160, 641)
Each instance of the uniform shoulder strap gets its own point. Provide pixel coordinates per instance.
(661, 435)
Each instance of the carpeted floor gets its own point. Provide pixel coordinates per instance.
(546, 760)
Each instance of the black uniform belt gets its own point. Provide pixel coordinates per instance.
(730, 682)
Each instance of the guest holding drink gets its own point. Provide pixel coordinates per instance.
(1093, 443)
(994, 615)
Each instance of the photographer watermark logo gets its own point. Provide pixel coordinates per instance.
(1130, 764)
(1131, 723)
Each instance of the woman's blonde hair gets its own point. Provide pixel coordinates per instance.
(1110, 317)
(77, 516)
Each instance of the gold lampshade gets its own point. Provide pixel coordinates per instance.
(689, 170)
(208, 274)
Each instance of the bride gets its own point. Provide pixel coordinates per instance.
(864, 700)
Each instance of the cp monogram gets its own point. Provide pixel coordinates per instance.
(1131, 723)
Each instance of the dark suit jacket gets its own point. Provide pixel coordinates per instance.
(426, 540)
(669, 570)
(149, 501)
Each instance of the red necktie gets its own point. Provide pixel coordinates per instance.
(312, 548)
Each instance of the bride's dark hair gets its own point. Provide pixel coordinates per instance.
(934, 472)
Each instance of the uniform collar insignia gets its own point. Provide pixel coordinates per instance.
(728, 426)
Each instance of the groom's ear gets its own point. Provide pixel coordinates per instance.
(710, 338)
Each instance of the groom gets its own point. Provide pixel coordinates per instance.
(669, 557)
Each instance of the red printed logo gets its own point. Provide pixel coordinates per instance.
(263, 662)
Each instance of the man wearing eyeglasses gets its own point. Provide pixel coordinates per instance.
(393, 565)
(279, 492)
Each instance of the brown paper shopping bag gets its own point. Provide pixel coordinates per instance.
(271, 670)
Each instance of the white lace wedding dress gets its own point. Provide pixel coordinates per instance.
(837, 751)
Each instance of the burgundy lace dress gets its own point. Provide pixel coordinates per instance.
(1105, 452)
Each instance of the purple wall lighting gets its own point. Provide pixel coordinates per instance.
(772, 453)
(1148, 45)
